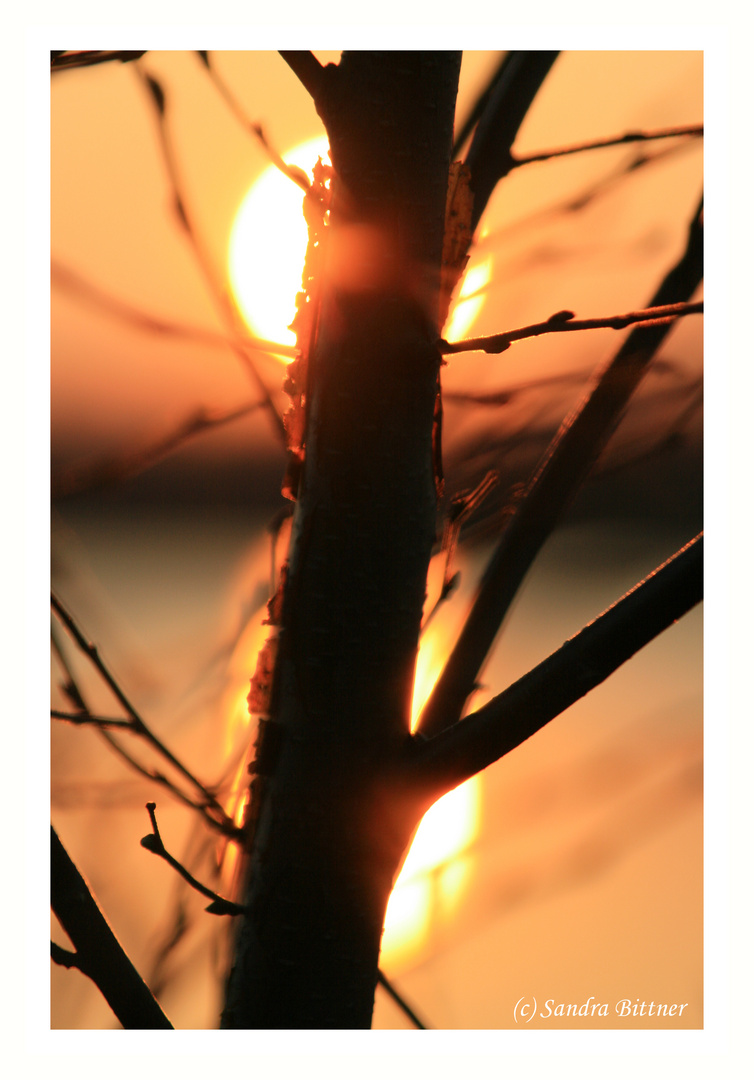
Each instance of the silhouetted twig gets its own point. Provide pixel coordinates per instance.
(564, 321)
(462, 506)
(217, 291)
(298, 176)
(62, 277)
(75, 480)
(489, 158)
(690, 130)
(214, 812)
(82, 718)
(400, 1001)
(64, 59)
(581, 200)
(153, 842)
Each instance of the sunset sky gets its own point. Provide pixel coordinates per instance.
(579, 871)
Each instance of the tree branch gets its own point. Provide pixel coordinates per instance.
(153, 842)
(479, 106)
(217, 291)
(82, 718)
(63, 957)
(139, 727)
(577, 667)
(565, 465)
(115, 470)
(84, 715)
(693, 130)
(98, 952)
(63, 277)
(307, 69)
(587, 196)
(64, 59)
(400, 1001)
(564, 321)
(489, 157)
(298, 176)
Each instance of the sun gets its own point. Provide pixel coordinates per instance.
(268, 246)
(267, 249)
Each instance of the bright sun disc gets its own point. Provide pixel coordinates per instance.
(268, 247)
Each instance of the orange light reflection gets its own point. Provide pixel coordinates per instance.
(433, 875)
(470, 300)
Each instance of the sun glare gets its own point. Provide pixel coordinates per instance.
(431, 881)
(268, 247)
(433, 874)
(470, 300)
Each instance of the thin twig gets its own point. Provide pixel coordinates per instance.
(98, 952)
(138, 726)
(153, 842)
(63, 277)
(65, 59)
(74, 481)
(70, 687)
(579, 202)
(224, 825)
(74, 693)
(400, 1001)
(462, 507)
(583, 662)
(81, 718)
(217, 291)
(564, 321)
(692, 130)
(90, 650)
(292, 172)
(497, 398)
(298, 176)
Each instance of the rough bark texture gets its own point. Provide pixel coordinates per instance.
(335, 813)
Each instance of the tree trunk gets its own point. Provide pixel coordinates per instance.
(335, 811)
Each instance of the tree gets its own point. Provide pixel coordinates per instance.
(339, 782)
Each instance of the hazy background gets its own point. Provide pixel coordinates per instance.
(585, 873)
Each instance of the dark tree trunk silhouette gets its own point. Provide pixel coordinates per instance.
(335, 817)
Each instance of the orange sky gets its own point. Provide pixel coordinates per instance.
(111, 223)
(585, 877)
